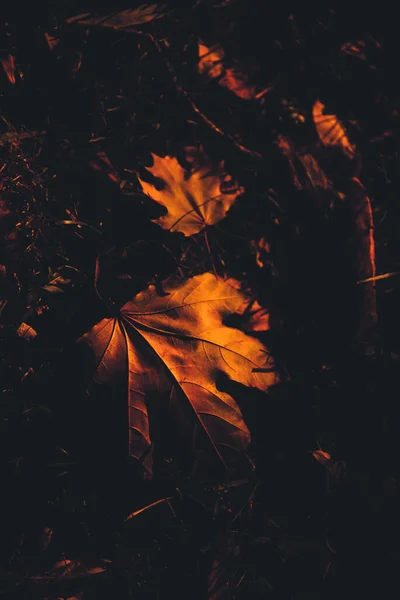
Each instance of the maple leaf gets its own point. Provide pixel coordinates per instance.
(177, 343)
(194, 199)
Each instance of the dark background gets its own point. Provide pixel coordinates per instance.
(63, 462)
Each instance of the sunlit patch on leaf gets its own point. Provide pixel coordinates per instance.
(330, 130)
(177, 343)
(193, 199)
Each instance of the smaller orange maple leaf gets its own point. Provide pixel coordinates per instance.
(193, 198)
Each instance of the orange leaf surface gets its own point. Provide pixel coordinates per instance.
(178, 343)
(330, 130)
(194, 199)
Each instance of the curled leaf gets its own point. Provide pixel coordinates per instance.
(194, 199)
(330, 130)
(26, 332)
(364, 249)
(177, 343)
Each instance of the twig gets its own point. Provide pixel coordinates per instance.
(196, 109)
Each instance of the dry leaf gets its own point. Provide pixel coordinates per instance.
(306, 172)
(254, 316)
(337, 468)
(330, 130)
(102, 163)
(356, 49)
(234, 78)
(51, 41)
(67, 569)
(9, 68)
(26, 332)
(193, 199)
(177, 342)
(13, 137)
(364, 249)
(123, 19)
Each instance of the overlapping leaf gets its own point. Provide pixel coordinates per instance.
(330, 130)
(194, 199)
(234, 78)
(178, 343)
(122, 19)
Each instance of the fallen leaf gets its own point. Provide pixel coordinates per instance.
(324, 458)
(13, 137)
(26, 332)
(337, 468)
(67, 569)
(9, 68)
(254, 316)
(356, 49)
(51, 40)
(235, 78)
(193, 198)
(177, 342)
(364, 249)
(330, 130)
(103, 164)
(124, 18)
(306, 172)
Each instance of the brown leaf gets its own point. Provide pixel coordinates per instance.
(254, 316)
(51, 40)
(364, 250)
(337, 468)
(330, 130)
(124, 19)
(235, 79)
(306, 172)
(356, 49)
(103, 164)
(177, 343)
(9, 68)
(26, 332)
(194, 199)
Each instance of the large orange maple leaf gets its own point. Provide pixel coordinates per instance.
(178, 343)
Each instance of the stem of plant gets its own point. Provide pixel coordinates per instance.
(209, 253)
